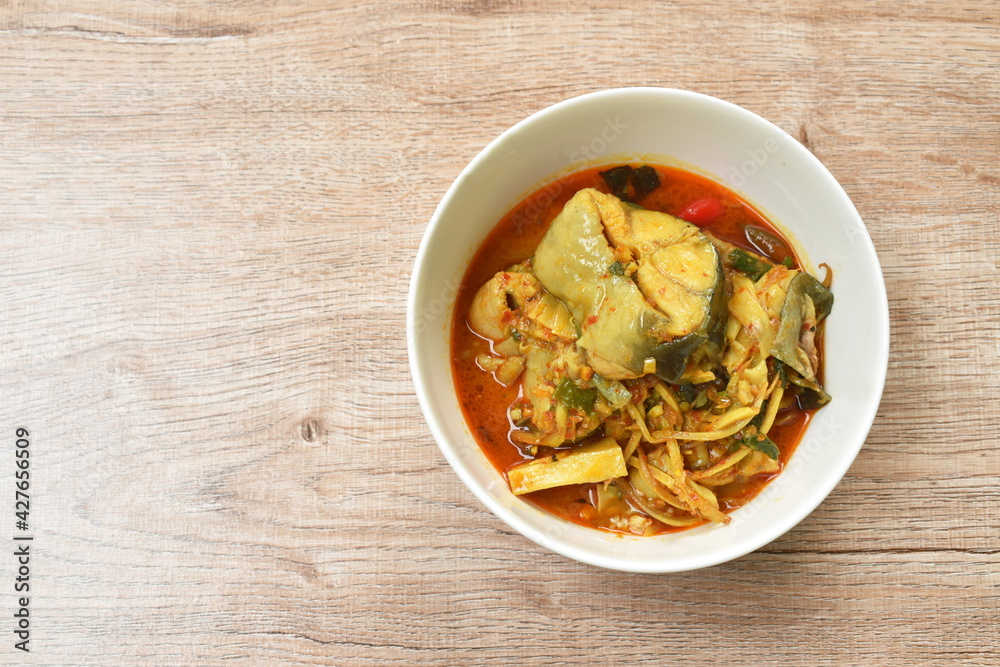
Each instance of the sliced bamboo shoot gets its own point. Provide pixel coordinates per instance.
(596, 462)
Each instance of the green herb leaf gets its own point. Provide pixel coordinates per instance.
(779, 367)
(821, 296)
(688, 392)
(618, 179)
(613, 390)
(572, 396)
(616, 269)
(631, 185)
(761, 443)
(645, 180)
(758, 421)
(748, 264)
(701, 400)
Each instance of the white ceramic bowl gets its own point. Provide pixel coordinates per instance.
(751, 157)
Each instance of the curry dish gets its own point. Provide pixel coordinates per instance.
(637, 349)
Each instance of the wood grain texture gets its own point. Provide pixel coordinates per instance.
(208, 215)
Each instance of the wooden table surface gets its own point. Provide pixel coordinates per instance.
(208, 217)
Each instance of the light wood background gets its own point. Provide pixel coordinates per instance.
(208, 216)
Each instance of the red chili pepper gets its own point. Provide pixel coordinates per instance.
(703, 211)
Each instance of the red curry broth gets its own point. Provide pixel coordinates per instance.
(485, 402)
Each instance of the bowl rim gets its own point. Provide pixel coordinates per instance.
(832, 477)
